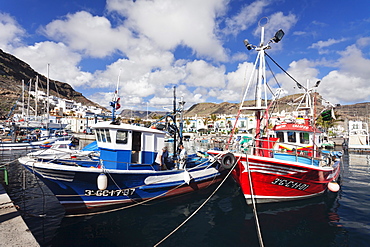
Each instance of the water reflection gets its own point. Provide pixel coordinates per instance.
(226, 220)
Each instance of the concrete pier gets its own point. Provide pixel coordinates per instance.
(13, 230)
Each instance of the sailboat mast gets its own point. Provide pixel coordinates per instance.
(28, 100)
(47, 97)
(22, 99)
(174, 122)
(36, 95)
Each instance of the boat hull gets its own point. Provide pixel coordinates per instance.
(276, 180)
(77, 190)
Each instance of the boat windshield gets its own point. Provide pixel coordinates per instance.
(121, 137)
(291, 136)
(304, 137)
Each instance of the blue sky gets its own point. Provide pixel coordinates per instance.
(194, 45)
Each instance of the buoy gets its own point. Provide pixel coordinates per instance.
(102, 181)
(333, 186)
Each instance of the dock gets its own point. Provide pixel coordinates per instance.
(13, 229)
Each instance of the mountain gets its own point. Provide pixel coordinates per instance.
(14, 70)
(359, 111)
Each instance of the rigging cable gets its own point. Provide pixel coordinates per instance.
(187, 219)
(299, 85)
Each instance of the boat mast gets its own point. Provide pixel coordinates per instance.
(181, 124)
(22, 99)
(28, 100)
(260, 99)
(47, 98)
(115, 102)
(174, 122)
(36, 95)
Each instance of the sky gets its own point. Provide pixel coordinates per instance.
(147, 47)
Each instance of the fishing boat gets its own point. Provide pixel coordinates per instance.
(127, 172)
(27, 145)
(286, 165)
(61, 150)
(358, 137)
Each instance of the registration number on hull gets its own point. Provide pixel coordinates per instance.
(124, 192)
(290, 184)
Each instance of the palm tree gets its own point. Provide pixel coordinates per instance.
(327, 122)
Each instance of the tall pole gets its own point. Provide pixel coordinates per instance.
(36, 95)
(47, 97)
(22, 98)
(174, 122)
(181, 125)
(28, 100)
(147, 112)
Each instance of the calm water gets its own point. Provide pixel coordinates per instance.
(340, 219)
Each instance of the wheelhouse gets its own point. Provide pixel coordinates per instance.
(125, 146)
(297, 134)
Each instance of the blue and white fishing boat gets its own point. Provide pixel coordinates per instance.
(127, 172)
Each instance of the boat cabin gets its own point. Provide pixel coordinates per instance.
(124, 146)
(300, 135)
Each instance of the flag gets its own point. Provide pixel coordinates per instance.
(117, 104)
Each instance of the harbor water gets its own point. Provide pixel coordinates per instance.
(333, 219)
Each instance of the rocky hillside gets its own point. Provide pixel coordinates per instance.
(13, 71)
(358, 111)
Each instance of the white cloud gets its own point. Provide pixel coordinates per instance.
(91, 35)
(353, 62)
(172, 23)
(10, 32)
(341, 87)
(245, 18)
(363, 42)
(149, 37)
(63, 62)
(202, 74)
(275, 22)
(350, 82)
(323, 44)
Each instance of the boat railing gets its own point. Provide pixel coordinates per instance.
(271, 148)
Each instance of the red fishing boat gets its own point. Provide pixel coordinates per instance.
(285, 163)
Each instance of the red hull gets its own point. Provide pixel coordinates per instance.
(275, 180)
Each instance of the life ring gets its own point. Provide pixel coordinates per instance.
(228, 161)
(328, 161)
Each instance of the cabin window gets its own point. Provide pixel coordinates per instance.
(98, 135)
(107, 134)
(103, 138)
(304, 138)
(291, 136)
(280, 135)
(122, 137)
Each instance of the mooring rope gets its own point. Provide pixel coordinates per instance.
(254, 203)
(187, 219)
